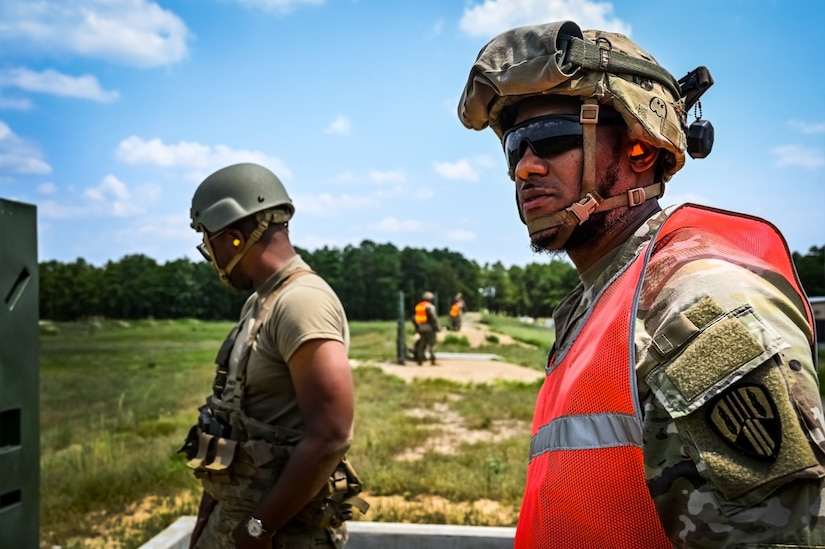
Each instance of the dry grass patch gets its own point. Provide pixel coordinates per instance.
(429, 509)
(450, 431)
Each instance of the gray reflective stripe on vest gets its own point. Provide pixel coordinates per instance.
(587, 432)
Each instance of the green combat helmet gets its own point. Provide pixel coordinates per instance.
(234, 193)
(602, 69)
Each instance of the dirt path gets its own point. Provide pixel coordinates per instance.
(462, 367)
(464, 371)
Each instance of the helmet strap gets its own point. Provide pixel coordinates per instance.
(589, 118)
(590, 201)
(265, 219)
(578, 212)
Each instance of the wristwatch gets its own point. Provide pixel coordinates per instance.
(255, 528)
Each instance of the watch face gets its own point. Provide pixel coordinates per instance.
(255, 527)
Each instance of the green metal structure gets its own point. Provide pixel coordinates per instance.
(19, 377)
(401, 334)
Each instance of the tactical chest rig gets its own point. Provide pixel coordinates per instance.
(236, 456)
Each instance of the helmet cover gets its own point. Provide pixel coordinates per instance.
(559, 59)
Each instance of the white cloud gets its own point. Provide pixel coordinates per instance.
(424, 193)
(494, 16)
(47, 188)
(18, 155)
(315, 242)
(372, 177)
(113, 196)
(283, 6)
(393, 225)
(135, 150)
(341, 125)
(169, 227)
(15, 103)
(797, 155)
(808, 127)
(58, 210)
(327, 205)
(131, 32)
(53, 82)
(392, 176)
(461, 235)
(203, 159)
(460, 170)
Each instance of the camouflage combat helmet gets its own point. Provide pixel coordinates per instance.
(428, 296)
(234, 193)
(600, 68)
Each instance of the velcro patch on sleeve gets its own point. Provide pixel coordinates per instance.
(748, 438)
(711, 351)
(704, 311)
(714, 355)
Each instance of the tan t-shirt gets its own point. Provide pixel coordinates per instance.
(306, 309)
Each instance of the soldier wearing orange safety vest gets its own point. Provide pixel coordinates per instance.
(456, 312)
(681, 406)
(427, 326)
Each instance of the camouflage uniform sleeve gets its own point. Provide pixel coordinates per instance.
(733, 422)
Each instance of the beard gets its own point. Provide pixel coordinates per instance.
(591, 230)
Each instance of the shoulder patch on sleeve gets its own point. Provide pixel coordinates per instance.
(749, 416)
(746, 418)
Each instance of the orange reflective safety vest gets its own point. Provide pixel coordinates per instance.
(455, 309)
(421, 312)
(585, 483)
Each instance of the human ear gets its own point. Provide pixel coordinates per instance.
(236, 238)
(642, 156)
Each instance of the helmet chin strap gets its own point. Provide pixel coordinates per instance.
(590, 201)
(265, 219)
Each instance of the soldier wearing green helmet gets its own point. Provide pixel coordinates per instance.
(270, 443)
(241, 192)
(681, 405)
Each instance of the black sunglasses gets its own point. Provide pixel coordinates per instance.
(547, 136)
(205, 247)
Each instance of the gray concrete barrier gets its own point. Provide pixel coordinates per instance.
(377, 535)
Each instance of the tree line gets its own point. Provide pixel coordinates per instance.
(372, 280)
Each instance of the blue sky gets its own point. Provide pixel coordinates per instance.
(112, 112)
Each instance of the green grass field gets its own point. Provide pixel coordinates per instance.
(117, 400)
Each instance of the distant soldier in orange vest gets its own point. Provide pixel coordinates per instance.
(456, 312)
(426, 324)
(681, 406)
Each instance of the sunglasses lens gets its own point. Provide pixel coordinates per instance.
(204, 252)
(546, 136)
(552, 146)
